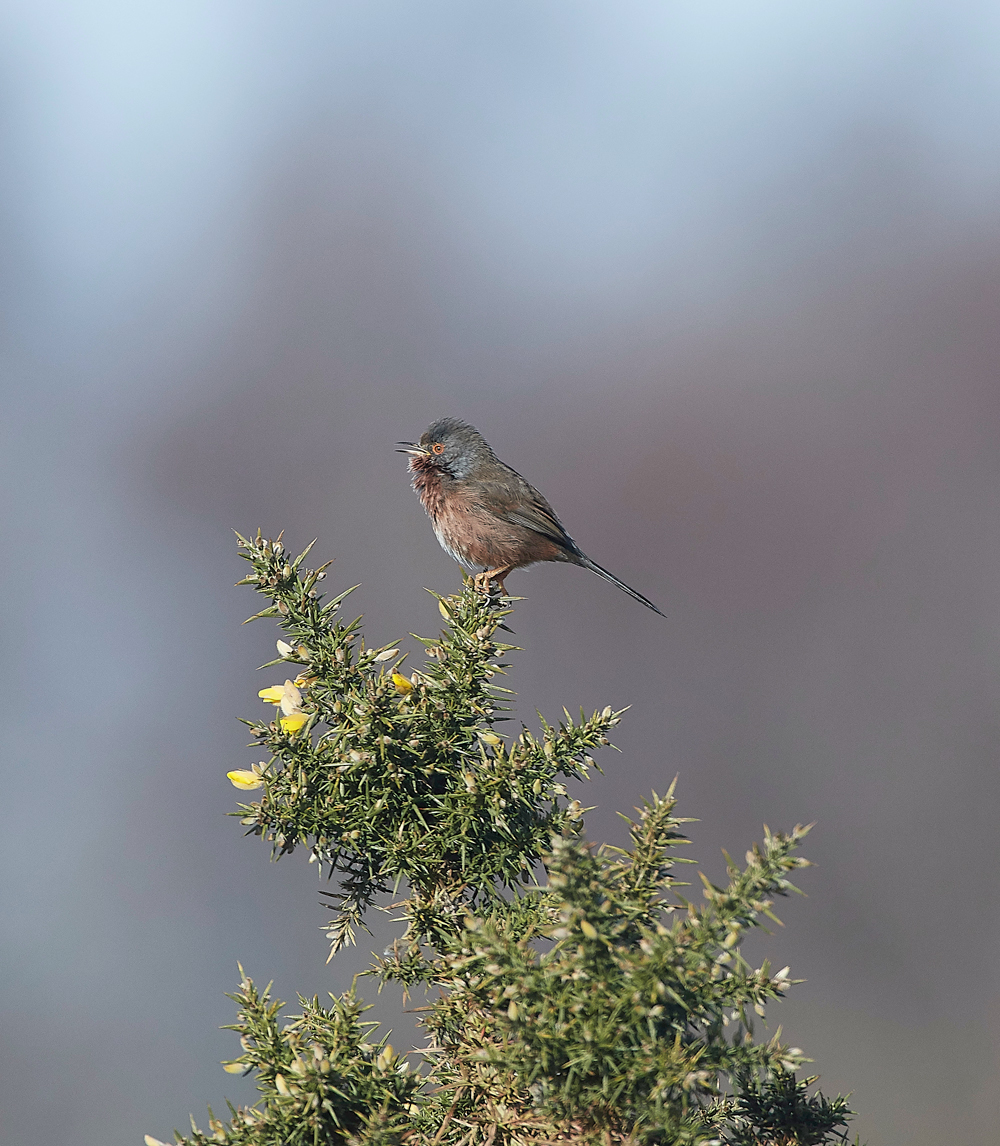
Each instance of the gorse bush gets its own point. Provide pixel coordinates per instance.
(581, 996)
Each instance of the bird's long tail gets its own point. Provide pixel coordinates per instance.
(601, 572)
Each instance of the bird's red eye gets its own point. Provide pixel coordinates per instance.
(437, 448)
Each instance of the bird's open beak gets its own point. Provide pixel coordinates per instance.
(414, 450)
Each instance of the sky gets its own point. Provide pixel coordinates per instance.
(720, 279)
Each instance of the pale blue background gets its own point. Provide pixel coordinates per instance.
(722, 279)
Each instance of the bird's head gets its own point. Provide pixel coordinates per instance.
(453, 447)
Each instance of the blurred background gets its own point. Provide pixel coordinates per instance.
(721, 279)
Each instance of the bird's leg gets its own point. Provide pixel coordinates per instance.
(482, 580)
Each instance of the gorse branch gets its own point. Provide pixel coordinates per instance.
(387, 777)
(596, 1004)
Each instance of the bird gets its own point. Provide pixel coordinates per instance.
(485, 514)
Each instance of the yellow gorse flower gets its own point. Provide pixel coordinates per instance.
(403, 686)
(286, 696)
(293, 722)
(245, 779)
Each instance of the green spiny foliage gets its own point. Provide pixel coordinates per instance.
(620, 1027)
(598, 1005)
(778, 1109)
(321, 1079)
(392, 777)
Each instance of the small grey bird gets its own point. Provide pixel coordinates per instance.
(484, 513)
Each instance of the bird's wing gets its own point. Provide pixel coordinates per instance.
(521, 504)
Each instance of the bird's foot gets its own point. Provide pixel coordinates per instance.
(484, 581)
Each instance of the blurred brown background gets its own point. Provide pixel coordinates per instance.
(722, 280)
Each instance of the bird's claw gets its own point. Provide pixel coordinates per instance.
(483, 582)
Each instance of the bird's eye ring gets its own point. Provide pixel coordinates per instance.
(437, 448)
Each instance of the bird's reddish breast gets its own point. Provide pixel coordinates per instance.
(427, 482)
(469, 531)
(461, 531)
